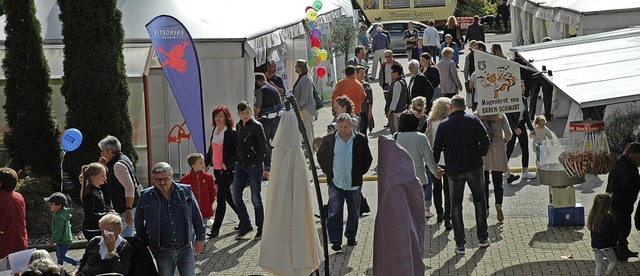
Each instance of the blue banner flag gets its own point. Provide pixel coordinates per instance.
(179, 60)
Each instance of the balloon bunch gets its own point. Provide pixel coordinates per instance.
(317, 55)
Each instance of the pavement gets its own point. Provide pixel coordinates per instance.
(523, 244)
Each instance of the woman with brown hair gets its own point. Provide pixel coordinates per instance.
(221, 156)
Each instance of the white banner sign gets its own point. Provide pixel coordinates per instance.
(497, 84)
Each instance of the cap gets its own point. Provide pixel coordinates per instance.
(58, 198)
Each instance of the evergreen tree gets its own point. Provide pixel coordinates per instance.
(94, 82)
(33, 138)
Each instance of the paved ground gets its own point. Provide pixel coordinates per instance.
(523, 244)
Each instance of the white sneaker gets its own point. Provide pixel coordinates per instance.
(428, 214)
(528, 175)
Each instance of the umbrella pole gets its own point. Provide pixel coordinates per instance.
(291, 104)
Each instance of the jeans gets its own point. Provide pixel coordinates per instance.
(127, 229)
(252, 176)
(428, 190)
(498, 190)
(61, 254)
(337, 197)
(168, 259)
(599, 254)
(475, 181)
(524, 145)
(223, 181)
(441, 186)
(547, 95)
(433, 51)
(270, 126)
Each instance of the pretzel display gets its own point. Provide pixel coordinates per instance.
(588, 151)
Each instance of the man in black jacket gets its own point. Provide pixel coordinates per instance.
(464, 141)
(252, 148)
(624, 184)
(344, 157)
(475, 31)
(419, 85)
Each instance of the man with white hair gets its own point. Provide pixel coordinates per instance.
(380, 43)
(122, 184)
(419, 84)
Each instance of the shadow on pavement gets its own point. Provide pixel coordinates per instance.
(556, 238)
(435, 244)
(565, 267)
(591, 182)
(467, 268)
(230, 254)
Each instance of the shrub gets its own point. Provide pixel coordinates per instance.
(95, 84)
(621, 127)
(33, 138)
(476, 7)
(34, 190)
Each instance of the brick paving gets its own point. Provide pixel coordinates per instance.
(524, 244)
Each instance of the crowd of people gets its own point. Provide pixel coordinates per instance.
(128, 227)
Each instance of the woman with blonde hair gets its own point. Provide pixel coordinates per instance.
(452, 28)
(496, 162)
(439, 112)
(419, 105)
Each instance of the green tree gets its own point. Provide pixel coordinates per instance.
(476, 7)
(33, 138)
(94, 83)
(343, 36)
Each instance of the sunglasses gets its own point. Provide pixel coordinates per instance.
(387, 56)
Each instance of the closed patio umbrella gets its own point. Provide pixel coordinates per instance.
(290, 243)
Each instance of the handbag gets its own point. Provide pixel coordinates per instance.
(316, 95)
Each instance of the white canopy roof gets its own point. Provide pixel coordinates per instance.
(599, 69)
(205, 19)
(588, 16)
(260, 24)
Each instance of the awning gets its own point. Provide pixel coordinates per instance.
(592, 70)
(135, 58)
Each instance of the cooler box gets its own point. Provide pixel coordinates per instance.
(560, 197)
(568, 216)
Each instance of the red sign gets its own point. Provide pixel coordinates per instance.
(464, 22)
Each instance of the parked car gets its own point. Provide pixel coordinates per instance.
(396, 31)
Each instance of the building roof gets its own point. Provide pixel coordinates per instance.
(592, 70)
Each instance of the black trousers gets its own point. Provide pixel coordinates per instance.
(438, 188)
(523, 140)
(623, 222)
(223, 181)
(547, 95)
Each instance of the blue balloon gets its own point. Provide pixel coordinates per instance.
(312, 25)
(71, 139)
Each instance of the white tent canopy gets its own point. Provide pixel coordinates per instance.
(231, 37)
(586, 16)
(592, 70)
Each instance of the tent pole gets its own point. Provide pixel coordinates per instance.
(291, 104)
